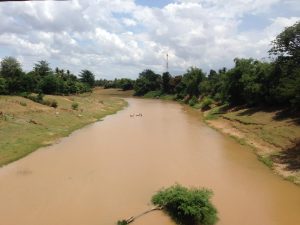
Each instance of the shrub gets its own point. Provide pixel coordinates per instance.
(50, 102)
(193, 101)
(53, 103)
(40, 97)
(187, 206)
(23, 103)
(36, 98)
(206, 103)
(152, 94)
(74, 105)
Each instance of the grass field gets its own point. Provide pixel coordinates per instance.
(26, 125)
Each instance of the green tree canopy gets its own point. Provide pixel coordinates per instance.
(191, 79)
(42, 68)
(87, 77)
(166, 78)
(287, 44)
(147, 81)
(10, 68)
(3, 86)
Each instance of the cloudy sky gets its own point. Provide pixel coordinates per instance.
(120, 38)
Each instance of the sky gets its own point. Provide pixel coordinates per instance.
(121, 38)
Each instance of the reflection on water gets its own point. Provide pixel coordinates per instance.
(109, 171)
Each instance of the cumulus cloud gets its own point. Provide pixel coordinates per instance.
(117, 38)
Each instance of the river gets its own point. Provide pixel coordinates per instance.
(109, 170)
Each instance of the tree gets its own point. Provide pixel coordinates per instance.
(87, 77)
(286, 73)
(10, 68)
(42, 68)
(174, 84)
(12, 72)
(29, 82)
(125, 84)
(147, 81)
(286, 46)
(49, 84)
(233, 86)
(166, 77)
(3, 86)
(191, 80)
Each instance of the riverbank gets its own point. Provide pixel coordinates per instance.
(273, 134)
(26, 126)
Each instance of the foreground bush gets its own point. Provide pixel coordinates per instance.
(206, 103)
(187, 206)
(152, 94)
(40, 99)
(75, 105)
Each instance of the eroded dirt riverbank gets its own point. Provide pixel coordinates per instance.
(109, 171)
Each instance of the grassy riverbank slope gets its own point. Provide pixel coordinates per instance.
(26, 125)
(273, 134)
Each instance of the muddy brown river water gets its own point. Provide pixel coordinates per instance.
(110, 169)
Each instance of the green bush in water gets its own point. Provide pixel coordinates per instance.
(122, 222)
(187, 206)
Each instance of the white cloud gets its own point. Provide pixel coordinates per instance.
(120, 38)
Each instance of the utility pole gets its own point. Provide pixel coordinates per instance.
(167, 65)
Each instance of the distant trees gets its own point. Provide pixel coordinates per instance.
(123, 83)
(147, 81)
(42, 79)
(42, 69)
(191, 80)
(87, 77)
(250, 82)
(11, 71)
(10, 68)
(3, 86)
(166, 78)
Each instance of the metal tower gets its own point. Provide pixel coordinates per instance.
(167, 64)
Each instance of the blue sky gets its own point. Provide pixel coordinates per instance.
(116, 38)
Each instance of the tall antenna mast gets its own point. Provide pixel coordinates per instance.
(167, 66)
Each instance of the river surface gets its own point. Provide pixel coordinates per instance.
(109, 170)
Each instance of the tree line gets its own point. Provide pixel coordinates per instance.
(250, 82)
(42, 79)
(123, 83)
